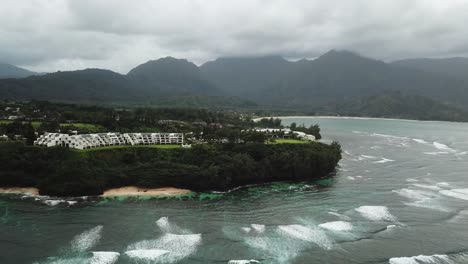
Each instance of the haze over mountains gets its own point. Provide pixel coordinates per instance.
(337, 77)
(12, 71)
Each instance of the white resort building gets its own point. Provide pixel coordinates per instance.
(86, 141)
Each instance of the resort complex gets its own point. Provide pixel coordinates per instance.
(86, 141)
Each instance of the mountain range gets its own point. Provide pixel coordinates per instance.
(12, 71)
(336, 77)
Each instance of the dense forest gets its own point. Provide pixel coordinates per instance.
(64, 172)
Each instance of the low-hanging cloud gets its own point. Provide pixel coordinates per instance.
(120, 34)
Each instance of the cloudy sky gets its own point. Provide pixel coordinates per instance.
(51, 35)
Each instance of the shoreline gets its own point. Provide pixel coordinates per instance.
(356, 117)
(139, 191)
(19, 190)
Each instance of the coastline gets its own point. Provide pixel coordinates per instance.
(355, 117)
(138, 191)
(19, 190)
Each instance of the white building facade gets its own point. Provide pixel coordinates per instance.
(86, 141)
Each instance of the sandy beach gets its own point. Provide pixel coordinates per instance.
(28, 190)
(136, 191)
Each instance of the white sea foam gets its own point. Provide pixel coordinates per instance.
(243, 261)
(246, 229)
(411, 180)
(104, 257)
(414, 194)
(51, 202)
(435, 153)
(309, 234)
(87, 239)
(146, 254)
(168, 227)
(258, 228)
(456, 193)
(350, 178)
(178, 246)
(383, 160)
(344, 217)
(421, 259)
(337, 226)
(443, 184)
(427, 186)
(421, 141)
(461, 153)
(441, 146)
(376, 213)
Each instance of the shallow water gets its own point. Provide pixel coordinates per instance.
(400, 195)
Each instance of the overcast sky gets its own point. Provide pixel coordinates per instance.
(51, 35)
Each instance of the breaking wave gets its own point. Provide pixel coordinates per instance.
(104, 257)
(87, 239)
(456, 193)
(337, 226)
(308, 234)
(168, 248)
(376, 213)
(457, 258)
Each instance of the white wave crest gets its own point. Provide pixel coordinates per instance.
(350, 178)
(441, 146)
(87, 239)
(178, 247)
(258, 228)
(376, 213)
(427, 186)
(167, 227)
(421, 141)
(341, 216)
(414, 194)
(146, 254)
(243, 261)
(384, 160)
(337, 226)
(456, 193)
(308, 234)
(421, 259)
(104, 257)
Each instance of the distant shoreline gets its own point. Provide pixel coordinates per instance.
(355, 117)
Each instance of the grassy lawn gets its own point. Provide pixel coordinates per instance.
(130, 146)
(290, 141)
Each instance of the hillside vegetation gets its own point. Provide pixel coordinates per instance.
(63, 172)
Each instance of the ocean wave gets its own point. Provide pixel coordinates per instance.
(337, 226)
(146, 254)
(258, 228)
(420, 259)
(435, 153)
(167, 227)
(309, 234)
(376, 213)
(427, 186)
(243, 261)
(421, 141)
(172, 247)
(414, 194)
(341, 216)
(456, 193)
(384, 160)
(455, 258)
(104, 257)
(87, 239)
(441, 146)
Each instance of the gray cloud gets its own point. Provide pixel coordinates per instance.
(120, 34)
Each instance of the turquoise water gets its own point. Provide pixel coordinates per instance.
(400, 195)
